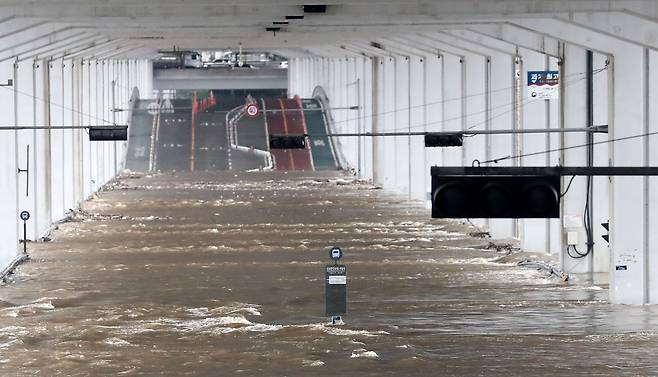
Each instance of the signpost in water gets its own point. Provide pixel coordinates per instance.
(335, 287)
(25, 215)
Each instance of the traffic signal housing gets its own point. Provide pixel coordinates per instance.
(482, 196)
(108, 133)
(287, 141)
(443, 140)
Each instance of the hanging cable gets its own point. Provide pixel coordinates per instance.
(568, 186)
(459, 99)
(571, 147)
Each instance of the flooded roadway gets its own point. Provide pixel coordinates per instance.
(222, 275)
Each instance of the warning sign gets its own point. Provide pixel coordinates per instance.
(252, 110)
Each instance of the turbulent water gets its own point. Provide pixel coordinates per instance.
(223, 275)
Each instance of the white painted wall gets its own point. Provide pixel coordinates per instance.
(457, 89)
(65, 168)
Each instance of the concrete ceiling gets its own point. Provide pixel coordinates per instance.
(142, 27)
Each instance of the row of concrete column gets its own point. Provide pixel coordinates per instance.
(64, 166)
(461, 80)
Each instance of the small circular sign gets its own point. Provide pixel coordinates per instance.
(252, 110)
(336, 253)
(25, 215)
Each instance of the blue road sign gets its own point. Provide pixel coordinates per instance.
(25, 215)
(336, 253)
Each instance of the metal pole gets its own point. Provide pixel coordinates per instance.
(41, 127)
(589, 214)
(355, 108)
(114, 114)
(358, 144)
(24, 237)
(473, 132)
(605, 171)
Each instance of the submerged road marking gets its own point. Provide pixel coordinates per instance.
(285, 128)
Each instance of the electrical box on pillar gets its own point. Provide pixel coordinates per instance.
(465, 196)
(108, 133)
(287, 141)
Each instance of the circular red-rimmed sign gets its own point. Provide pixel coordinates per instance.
(252, 110)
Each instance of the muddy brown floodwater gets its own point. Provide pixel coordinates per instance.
(223, 275)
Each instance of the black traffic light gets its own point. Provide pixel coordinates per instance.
(315, 8)
(443, 140)
(476, 196)
(287, 141)
(108, 133)
(606, 226)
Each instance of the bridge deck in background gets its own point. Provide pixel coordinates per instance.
(186, 141)
(284, 116)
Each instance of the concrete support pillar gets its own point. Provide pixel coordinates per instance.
(94, 106)
(57, 141)
(389, 88)
(417, 118)
(68, 142)
(652, 154)
(631, 197)
(401, 115)
(378, 124)
(453, 105)
(8, 178)
(87, 118)
(366, 117)
(539, 235)
(574, 92)
(41, 164)
(24, 116)
(432, 117)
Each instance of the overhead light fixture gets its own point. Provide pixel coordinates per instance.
(148, 37)
(315, 8)
(108, 133)
(376, 45)
(280, 22)
(296, 17)
(274, 30)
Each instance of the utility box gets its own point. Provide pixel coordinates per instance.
(335, 290)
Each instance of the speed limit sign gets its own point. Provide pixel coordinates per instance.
(252, 110)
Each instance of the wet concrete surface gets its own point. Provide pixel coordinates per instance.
(223, 274)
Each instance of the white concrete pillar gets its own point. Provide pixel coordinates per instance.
(417, 106)
(502, 98)
(574, 92)
(536, 233)
(8, 208)
(378, 119)
(388, 158)
(630, 238)
(652, 154)
(24, 116)
(401, 109)
(432, 117)
(41, 164)
(68, 142)
(57, 141)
